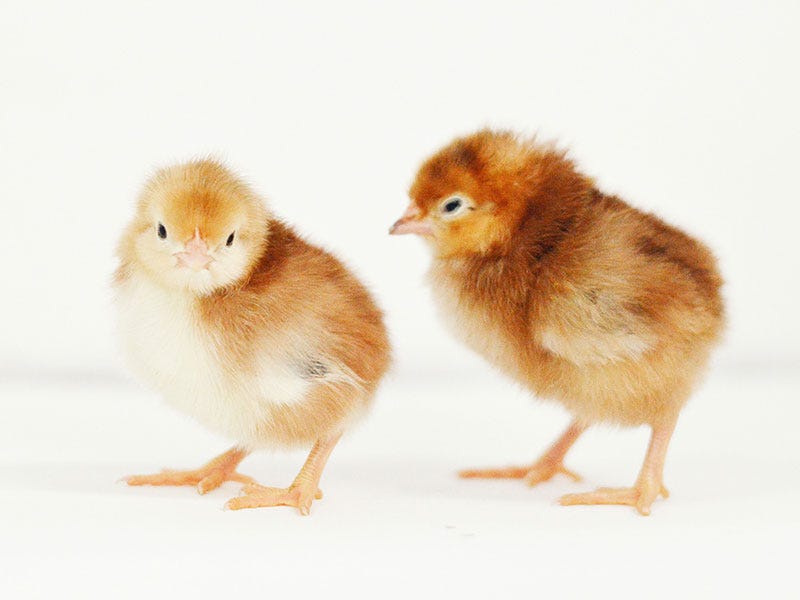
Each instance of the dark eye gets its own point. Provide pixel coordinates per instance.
(162, 231)
(230, 239)
(452, 206)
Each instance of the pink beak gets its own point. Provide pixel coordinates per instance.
(411, 222)
(195, 255)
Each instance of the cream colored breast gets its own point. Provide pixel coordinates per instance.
(168, 347)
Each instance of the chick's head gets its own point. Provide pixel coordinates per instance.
(469, 197)
(197, 228)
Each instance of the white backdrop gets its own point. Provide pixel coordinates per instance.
(689, 110)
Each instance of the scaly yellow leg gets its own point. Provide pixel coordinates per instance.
(649, 484)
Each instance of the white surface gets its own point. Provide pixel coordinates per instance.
(688, 109)
(395, 519)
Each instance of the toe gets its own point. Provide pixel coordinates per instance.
(242, 502)
(239, 478)
(255, 496)
(535, 477)
(503, 473)
(546, 471)
(236, 503)
(601, 496)
(158, 479)
(210, 482)
(261, 490)
(645, 501)
(571, 474)
(572, 499)
(305, 498)
(165, 477)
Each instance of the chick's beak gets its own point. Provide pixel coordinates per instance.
(195, 255)
(411, 222)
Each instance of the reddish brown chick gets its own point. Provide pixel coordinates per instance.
(573, 293)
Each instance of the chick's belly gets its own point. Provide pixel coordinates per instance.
(250, 411)
(276, 404)
(276, 407)
(623, 392)
(228, 413)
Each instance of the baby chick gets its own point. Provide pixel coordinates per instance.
(569, 291)
(237, 321)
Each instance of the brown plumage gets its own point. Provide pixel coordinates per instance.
(236, 320)
(571, 292)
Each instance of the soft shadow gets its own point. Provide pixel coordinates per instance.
(698, 481)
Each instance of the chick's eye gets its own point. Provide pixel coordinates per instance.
(452, 205)
(162, 231)
(230, 239)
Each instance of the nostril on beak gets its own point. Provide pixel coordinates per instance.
(195, 254)
(196, 245)
(406, 225)
(411, 221)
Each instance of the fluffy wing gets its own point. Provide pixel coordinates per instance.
(596, 325)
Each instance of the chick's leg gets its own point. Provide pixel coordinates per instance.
(649, 484)
(544, 469)
(208, 477)
(303, 491)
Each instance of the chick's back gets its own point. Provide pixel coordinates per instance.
(626, 312)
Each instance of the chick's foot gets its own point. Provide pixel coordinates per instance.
(303, 491)
(544, 469)
(641, 496)
(648, 486)
(206, 478)
(256, 496)
(539, 472)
